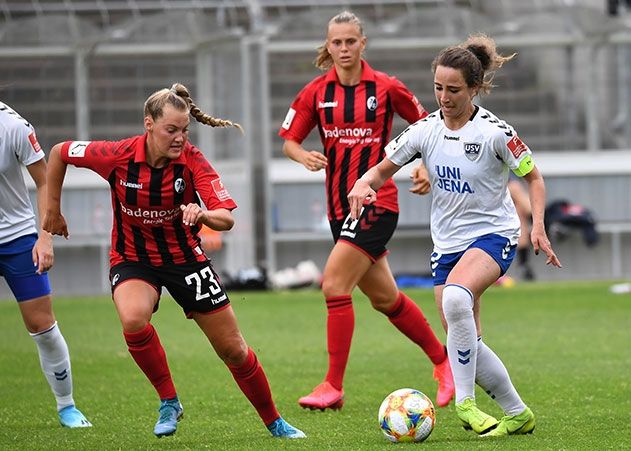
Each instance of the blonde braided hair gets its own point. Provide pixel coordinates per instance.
(180, 98)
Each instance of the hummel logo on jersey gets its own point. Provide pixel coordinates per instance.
(506, 250)
(327, 104)
(130, 184)
(452, 138)
(472, 150)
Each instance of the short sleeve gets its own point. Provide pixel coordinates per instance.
(26, 146)
(514, 152)
(208, 184)
(405, 147)
(98, 156)
(405, 102)
(301, 116)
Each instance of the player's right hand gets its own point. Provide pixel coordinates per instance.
(361, 194)
(314, 160)
(55, 224)
(420, 180)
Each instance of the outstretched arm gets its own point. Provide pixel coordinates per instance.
(538, 236)
(54, 222)
(365, 188)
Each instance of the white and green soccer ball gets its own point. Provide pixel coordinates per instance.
(407, 415)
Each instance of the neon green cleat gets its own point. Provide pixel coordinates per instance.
(473, 418)
(524, 423)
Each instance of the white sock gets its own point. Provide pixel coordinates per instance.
(491, 375)
(55, 362)
(461, 339)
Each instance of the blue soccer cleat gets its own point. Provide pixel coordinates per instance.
(71, 417)
(171, 411)
(280, 428)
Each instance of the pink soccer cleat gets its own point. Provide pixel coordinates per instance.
(446, 387)
(324, 396)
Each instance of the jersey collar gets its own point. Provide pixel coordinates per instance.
(475, 111)
(368, 73)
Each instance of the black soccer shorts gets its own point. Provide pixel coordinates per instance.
(370, 233)
(196, 287)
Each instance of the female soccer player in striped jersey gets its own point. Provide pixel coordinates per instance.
(156, 181)
(468, 152)
(353, 105)
(26, 255)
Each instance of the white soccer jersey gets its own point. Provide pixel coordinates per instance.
(468, 171)
(18, 147)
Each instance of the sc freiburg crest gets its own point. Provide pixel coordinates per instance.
(179, 185)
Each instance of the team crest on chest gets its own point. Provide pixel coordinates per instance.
(179, 185)
(371, 103)
(472, 150)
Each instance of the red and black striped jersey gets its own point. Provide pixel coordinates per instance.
(354, 123)
(147, 220)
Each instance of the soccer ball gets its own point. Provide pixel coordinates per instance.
(407, 415)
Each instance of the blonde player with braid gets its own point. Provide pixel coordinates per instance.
(156, 182)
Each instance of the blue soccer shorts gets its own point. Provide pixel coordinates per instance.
(498, 247)
(16, 266)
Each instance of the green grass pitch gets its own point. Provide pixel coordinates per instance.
(566, 346)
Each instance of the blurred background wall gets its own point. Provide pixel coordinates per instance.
(82, 69)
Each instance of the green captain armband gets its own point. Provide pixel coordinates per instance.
(525, 166)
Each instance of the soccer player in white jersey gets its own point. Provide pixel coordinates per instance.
(26, 256)
(468, 153)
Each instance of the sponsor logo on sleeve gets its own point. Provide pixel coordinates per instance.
(516, 146)
(77, 149)
(220, 190)
(34, 143)
(289, 118)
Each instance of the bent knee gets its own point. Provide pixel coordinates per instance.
(133, 324)
(457, 303)
(383, 302)
(233, 352)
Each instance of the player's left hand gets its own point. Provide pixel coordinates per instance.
(540, 241)
(191, 214)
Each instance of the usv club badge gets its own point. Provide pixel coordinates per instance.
(472, 150)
